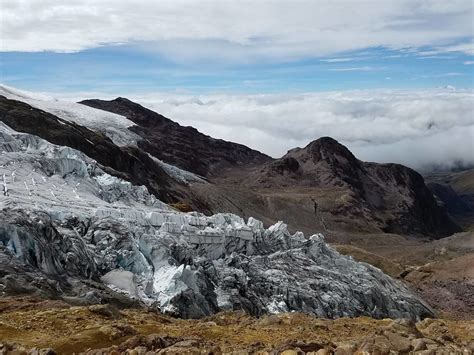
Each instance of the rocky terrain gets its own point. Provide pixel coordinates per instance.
(34, 326)
(441, 271)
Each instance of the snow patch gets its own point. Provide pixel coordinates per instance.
(178, 174)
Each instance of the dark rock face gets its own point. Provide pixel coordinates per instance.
(387, 197)
(286, 166)
(383, 188)
(448, 198)
(184, 147)
(129, 163)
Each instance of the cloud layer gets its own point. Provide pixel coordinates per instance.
(416, 128)
(237, 30)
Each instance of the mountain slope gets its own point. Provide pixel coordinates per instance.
(455, 190)
(324, 187)
(184, 147)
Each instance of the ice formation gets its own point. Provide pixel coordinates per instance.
(66, 221)
(112, 125)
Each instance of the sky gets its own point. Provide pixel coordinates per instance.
(388, 78)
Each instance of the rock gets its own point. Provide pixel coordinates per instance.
(418, 344)
(132, 352)
(324, 351)
(381, 345)
(302, 346)
(406, 327)
(107, 310)
(345, 349)
(425, 352)
(190, 346)
(398, 342)
(116, 331)
(292, 352)
(141, 350)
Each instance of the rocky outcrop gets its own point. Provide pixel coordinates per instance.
(82, 330)
(184, 147)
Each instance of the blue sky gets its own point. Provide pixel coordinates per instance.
(255, 46)
(127, 68)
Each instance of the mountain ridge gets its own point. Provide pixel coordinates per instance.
(182, 146)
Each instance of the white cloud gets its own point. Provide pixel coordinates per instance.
(236, 30)
(416, 128)
(467, 48)
(469, 62)
(364, 68)
(339, 60)
(441, 75)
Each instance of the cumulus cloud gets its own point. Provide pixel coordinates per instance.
(236, 30)
(416, 128)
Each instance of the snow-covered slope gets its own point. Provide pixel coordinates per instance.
(67, 229)
(112, 125)
(178, 174)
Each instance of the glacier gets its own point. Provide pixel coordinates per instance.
(70, 230)
(114, 126)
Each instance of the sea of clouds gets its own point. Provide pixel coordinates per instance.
(421, 129)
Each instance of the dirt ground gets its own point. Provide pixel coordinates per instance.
(27, 323)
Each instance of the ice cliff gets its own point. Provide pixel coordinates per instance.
(70, 230)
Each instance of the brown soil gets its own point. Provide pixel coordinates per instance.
(42, 324)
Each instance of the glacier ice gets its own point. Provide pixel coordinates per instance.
(65, 220)
(112, 125)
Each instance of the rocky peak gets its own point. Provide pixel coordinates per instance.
(324, 149)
